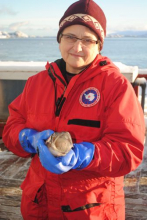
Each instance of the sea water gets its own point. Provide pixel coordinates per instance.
(129, 51)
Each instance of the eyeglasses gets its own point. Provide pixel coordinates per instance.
(72, 39)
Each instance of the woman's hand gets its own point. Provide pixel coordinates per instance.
(34, 142)
(29, 138)
(84, 152)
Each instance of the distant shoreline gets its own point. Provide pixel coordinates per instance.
(114, 37)
(117, 34)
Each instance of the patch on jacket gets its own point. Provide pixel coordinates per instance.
(89, 97)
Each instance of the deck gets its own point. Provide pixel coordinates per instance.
(13, 170)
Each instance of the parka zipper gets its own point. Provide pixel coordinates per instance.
(60, 101)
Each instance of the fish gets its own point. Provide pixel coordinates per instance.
(59, 143)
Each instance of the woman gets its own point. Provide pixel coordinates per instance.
(85, 94)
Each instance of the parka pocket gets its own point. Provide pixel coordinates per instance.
(34, 197)
(92, 210)
(84, 129)
(86, 123)
(83, 201)
(84, 188)
(31, 184)
(89, 199)
(84, 207)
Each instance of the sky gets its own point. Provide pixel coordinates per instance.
(41, 17)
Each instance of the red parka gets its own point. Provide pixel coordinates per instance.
(98, 106)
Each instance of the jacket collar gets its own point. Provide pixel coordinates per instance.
(98, 66)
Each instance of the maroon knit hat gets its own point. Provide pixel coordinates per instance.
(87, 13)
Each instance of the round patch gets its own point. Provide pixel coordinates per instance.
(89, 97)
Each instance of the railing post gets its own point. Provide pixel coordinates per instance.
(142, 83)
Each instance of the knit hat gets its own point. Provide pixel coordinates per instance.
(87, 13)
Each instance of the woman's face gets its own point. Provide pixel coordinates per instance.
(77, 55)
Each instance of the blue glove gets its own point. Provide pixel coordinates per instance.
(23, 139)
(84, 152)
(29, 138)
(57, 165)
(39, 138)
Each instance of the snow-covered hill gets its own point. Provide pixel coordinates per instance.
(16, 34)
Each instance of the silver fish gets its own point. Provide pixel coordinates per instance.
(59, 143)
